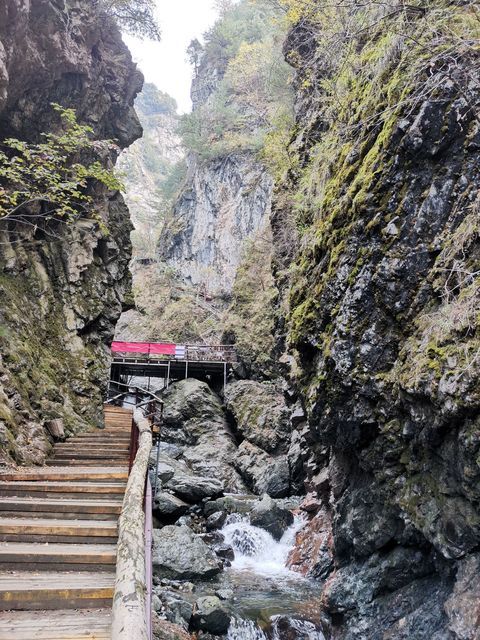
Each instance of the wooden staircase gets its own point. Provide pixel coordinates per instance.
(58, 534)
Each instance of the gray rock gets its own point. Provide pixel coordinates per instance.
(211, 615)
(179, 554)
(261, 414)
(263, 473)
(166, 504)
(224, 594)
(230, 504)
(224, 551)
(194, 488)
(165, 472)
(216, 520)
(177, 609)
(267, 515)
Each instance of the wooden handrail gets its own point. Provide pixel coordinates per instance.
(129, 609)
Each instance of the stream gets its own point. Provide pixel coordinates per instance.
(271, 601)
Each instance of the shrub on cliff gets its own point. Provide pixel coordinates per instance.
(48, 179)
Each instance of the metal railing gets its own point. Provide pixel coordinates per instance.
(188, 352)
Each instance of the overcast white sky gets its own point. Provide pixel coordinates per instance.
(165, 63)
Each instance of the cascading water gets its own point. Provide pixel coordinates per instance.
(267, 590)
(256, 549)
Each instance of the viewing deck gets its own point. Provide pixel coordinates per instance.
(171, 361)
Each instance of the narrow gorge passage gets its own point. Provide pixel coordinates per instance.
(251, 228)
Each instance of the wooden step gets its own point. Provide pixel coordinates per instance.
(79, 463)
(47, 589)
(56, 625)
(24, 507)
(53, 489)
(97, 455)
(91, 447)
(57, 556)
(55, 530)
(103, 433)
(87, 475)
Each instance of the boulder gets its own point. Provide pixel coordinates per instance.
(224, 551)
(216, 520)
(260, 413)
(194, 488)
(177, 609)
(181, 555)
(190, 409)
(165, 630)
(267, 515)
(230, 504)
(263, 473)
(211, 615)
(168, 505)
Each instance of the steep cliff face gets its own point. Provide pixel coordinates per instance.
(148, 165)
(224, 202)
(383, 303)
(61, 288)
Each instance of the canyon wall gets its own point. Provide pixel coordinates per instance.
(225, 200)
(380, 300)
(62, 288)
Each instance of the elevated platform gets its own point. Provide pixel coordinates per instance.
(171, 361)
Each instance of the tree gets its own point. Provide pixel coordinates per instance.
(48, 177)
(195, 52)
(137, 17)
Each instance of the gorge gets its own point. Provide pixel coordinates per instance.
(319, 210)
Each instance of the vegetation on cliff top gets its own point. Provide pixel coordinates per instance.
(250, 90)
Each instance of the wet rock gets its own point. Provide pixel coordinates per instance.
(216, 520)
(165, 630)
(262, 472)
(224, 551)
(179, 554)
(177, 609)
(211, 615)
(213, 537)
(463, 606)
(289, 628)
(357, 584)
(312, 553)
(224, 594)
(194, 488)
(230, 504)
(261, 414)
(168, 505)
(267, 515)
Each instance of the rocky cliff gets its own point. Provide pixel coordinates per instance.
(62, 289)
(382, 298)
(225, 200)
(147, 166)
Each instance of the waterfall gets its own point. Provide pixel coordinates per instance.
(245, 630)
(257, 549)
(282, 627)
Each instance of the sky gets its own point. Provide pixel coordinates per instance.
(165, 63)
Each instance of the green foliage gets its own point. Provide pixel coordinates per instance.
(152, 101)
(50, 175)
(253, 94)
(249, 321)
(136, 17)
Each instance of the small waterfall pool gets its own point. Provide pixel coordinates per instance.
(271, 602)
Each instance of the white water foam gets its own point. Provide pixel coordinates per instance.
(249, 630)
(256, 549)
